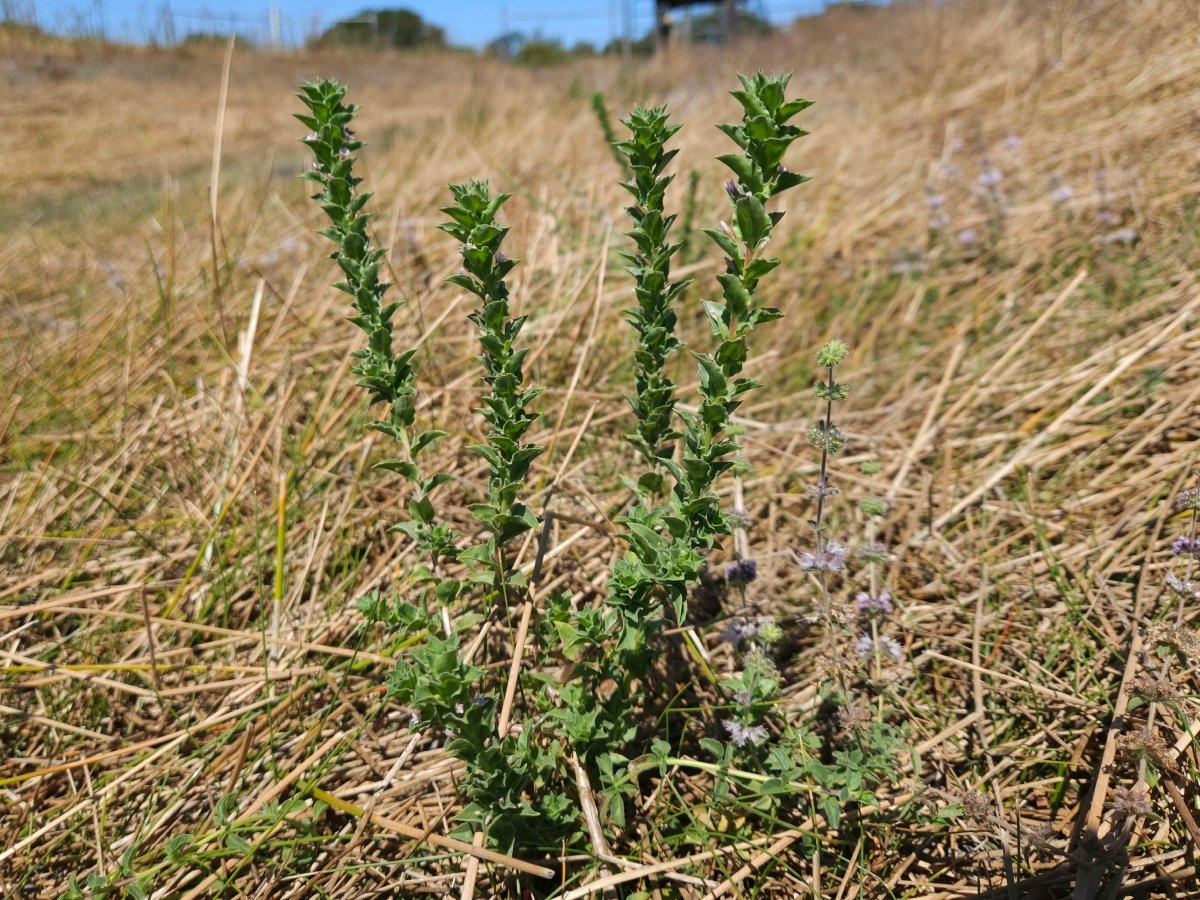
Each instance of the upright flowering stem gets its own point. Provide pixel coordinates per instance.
(505, 408)
(763, 136)
(650, 265)
(388, 376)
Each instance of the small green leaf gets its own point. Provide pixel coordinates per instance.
(238, 844)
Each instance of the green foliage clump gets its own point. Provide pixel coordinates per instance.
(397, 29)
(585, 705)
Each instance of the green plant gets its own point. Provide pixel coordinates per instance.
(532, 754)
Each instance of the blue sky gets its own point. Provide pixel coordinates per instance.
(467, 22)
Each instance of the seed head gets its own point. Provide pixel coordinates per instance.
(827, 436)
(1130, 802)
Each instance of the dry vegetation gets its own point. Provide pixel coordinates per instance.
(187, 510)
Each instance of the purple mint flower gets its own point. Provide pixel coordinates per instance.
(990, 177)
(864, 647)
(737, 630)
(1189, 499)
(1120, 236)
(1186, 546)
(822, 488)
(892, 648)
(1062, 193)
(741, 735)
(881, 604)
(830, 557)
(743, 571)
(1182, 586)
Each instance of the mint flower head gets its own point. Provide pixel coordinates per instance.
(829, 557)
(886, 646)
(827, 437)
(1189, 499)
(832, 353)
(871, 604)
(741, 735)
(1186, 546)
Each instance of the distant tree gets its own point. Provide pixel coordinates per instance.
(528, 50)
(507, 45)
(643, 46)
(539, 51)
(401, 29)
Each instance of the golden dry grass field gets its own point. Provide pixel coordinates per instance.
(191, 705)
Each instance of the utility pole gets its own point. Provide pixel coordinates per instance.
(626, 29)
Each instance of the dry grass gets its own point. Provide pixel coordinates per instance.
(187, 511)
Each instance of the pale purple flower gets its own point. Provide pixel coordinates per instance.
(743, 571)
(935, 201)
(741, 735)
(1105, 217)
(990, 177)
(1182, 586)
(1120, 236)
(908, 266)
(1189, 499)
(887, 646)
(968, 237)
(1012, 142)
(822, 488)
(1062, 193)
(737, 630)
(830, 557)
(891, 647)
(1186, 546)
(866, 603)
